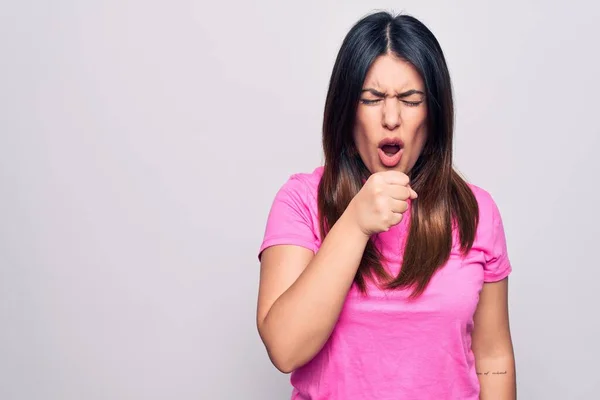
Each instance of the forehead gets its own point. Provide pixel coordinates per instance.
(389, 72)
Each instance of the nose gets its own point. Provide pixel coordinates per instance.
(391, 113)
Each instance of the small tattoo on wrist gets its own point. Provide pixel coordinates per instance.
(492, 373)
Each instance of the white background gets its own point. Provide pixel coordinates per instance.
(142, 142)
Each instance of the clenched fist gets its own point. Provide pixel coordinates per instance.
(381, 202)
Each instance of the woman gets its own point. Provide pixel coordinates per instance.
(383, 273)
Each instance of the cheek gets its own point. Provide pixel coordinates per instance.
(421, 136)
(365, 128)
(360, 131)
(418, 129)
(418, 137)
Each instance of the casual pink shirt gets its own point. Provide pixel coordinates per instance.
(383, 346)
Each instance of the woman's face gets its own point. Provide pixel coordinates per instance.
(390, 128)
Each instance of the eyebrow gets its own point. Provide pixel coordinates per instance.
(400, 95)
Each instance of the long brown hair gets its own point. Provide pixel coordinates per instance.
(445, 200)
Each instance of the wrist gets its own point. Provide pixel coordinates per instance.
(349, 225)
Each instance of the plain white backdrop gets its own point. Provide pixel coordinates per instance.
(142, 142)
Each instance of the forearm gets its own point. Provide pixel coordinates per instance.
(302, 318)
(497, 377)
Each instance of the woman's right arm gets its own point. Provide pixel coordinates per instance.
(301, 295)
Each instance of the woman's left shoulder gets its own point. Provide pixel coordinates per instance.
(490, 238)
(484, 198)
(490, 217)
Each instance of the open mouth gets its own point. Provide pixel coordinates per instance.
(390, 149)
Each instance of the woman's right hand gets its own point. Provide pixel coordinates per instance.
(381, 202)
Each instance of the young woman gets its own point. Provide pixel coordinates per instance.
(384, 273)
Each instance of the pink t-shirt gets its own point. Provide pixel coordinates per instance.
(384, 347)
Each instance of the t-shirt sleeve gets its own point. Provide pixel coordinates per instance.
(289, 221)
(497, 264)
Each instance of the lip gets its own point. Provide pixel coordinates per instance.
(388, 141)
(390, 161)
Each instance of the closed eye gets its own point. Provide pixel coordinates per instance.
(370, 101)
(375, 101)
